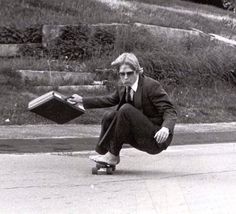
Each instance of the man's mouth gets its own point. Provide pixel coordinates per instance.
(126, 83)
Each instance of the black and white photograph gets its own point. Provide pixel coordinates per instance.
(118, 106)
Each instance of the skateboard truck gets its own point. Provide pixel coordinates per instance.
(109, 169)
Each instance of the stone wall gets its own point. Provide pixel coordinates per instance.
(81, 41)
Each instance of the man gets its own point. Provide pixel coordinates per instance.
(145, 117)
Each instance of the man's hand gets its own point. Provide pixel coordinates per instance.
(75, 99)
(162, 135)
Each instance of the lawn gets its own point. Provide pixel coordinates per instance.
(24, 13)
(149, 14)
(199, 75)
(194, 104)
(214, 8)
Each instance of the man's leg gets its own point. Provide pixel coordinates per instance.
(106, 121)
(134, 128)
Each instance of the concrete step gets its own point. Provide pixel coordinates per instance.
(80, 89)
(49, 78)
(52, 32)
(167, 32)
(13, 50)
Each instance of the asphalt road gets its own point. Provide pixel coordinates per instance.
(183, 179)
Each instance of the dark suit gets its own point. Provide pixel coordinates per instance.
(135, 124)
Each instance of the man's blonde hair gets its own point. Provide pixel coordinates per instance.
(129, 59)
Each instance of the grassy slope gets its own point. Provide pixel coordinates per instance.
(188, 5)
(166, 18)
(192, 76)
(33, 12)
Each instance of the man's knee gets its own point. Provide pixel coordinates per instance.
(126, 108)
(164, 145)
(161, 147)
(108, 116)
(154, 152)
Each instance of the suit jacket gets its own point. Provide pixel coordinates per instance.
(150, 98)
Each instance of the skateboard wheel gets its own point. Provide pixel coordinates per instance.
(94, 171)
(98, 166)
(109, 171)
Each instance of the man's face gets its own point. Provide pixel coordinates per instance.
(127, 75)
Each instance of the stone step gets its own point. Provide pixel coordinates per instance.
(50, 78)
(79, 89)
(52, 32)
(175, 34)
(13, 50)
(167, 32)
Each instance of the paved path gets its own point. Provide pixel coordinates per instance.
(184, 179)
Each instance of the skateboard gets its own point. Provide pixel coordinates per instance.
(101, 166)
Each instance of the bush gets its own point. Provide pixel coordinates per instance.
(229, 5)
(218, 3)
(13, 35)
(82, 42)
(194, 61)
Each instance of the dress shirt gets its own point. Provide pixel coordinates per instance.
(134, 88)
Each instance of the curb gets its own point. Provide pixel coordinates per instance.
(185, 134)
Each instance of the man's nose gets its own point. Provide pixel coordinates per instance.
(126, 76)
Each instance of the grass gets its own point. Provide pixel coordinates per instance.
(194, 104)
(23, 13)
(47, 64)
(15, 96)
(214, 8)
(199, 75)
(199, 79)
(162, 17)
(205, 104)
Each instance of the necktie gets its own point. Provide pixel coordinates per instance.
(128, 96)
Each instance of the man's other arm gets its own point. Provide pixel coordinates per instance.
(163, 105)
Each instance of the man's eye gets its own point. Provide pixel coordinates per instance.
(127, 73)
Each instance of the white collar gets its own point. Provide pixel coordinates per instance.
(135, 85)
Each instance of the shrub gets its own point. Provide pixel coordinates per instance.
(81, 42)
(229, 4)
(13, 35)
(218, 3)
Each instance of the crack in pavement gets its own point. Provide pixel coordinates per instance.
(118, 181)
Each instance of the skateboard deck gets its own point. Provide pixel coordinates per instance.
(102, 166)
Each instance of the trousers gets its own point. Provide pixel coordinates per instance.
(131, 127)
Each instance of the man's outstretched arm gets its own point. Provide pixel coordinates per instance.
(97, 101)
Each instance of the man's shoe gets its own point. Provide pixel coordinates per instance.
(108, 158)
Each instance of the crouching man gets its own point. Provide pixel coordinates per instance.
(144, 118)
